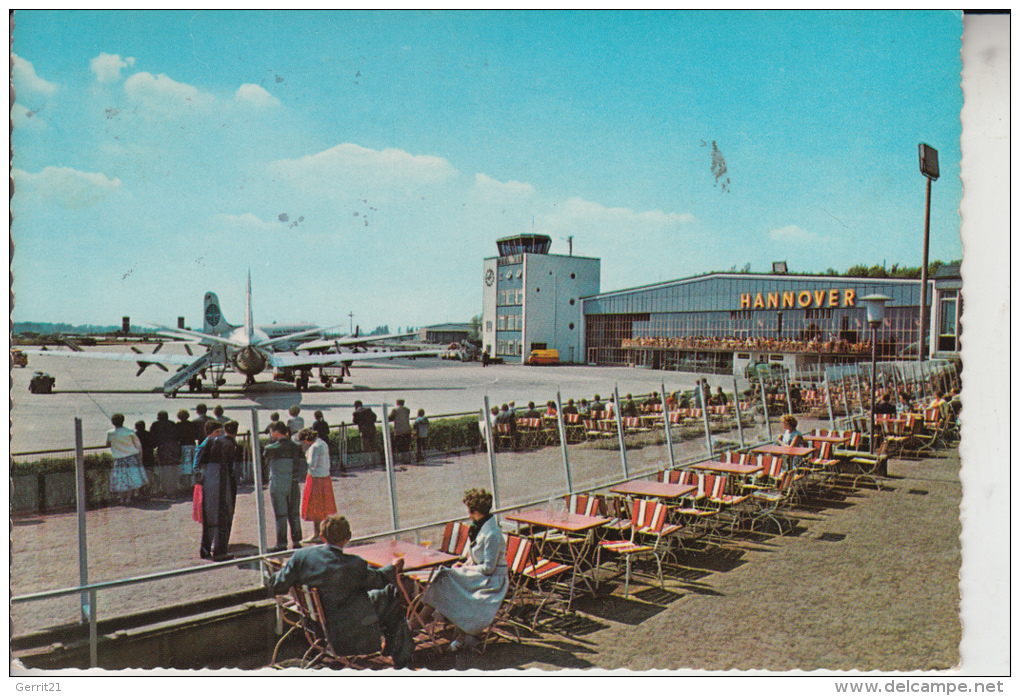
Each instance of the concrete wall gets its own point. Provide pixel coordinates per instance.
(551, 283)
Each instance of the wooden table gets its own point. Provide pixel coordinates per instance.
(784, 450)
(569, 523)
(729, 468)
(833, 439)
(382, 553)
(654, 489)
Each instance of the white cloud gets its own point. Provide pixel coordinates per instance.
(24, 117)
(107, 67)
(489, 187)
(68, 188)
(579, 213)
(247, 222)
(366, 166)
(255, 96)
(25, 79)
(792, 233)
(166, 96)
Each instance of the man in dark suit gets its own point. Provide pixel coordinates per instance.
(360, 604)
(216, 469)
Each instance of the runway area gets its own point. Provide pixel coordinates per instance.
(94, 389)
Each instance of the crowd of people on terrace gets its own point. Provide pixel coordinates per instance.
(761, 343)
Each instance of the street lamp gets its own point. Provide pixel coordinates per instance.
(929, 160)
(875, 305)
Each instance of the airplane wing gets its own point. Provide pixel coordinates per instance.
(291, 337)
(195, 335)
(290, 360)
(157, 358)
(350, 341)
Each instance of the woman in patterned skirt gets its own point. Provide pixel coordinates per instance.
(317, 502)
(127, 476)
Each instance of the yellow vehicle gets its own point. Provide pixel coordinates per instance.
(544, 357)
(18, 358)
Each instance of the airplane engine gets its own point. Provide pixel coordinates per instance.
(249, 361)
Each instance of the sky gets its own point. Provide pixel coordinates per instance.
(367, 162)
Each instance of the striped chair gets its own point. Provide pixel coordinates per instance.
(531, 577)
(769, 501)
(648, 523)
(455, 539)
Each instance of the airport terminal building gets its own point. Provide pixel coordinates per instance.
(715, 323)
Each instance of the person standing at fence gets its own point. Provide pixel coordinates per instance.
(148, 449)
(400, 416)
(286, 464)
(127, 477)
(318, 502)
(168, 453)
(198, 423)
(215, 469)
(218, 414)
(295, 423)
(186, 436)
(320, 426)
(365, 419)
(421, 435)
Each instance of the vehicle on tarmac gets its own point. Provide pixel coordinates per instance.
(41, 383)
(18, 358)
(545, 356)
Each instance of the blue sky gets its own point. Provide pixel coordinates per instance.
(368, 161)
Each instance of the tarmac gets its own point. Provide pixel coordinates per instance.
(867, 580)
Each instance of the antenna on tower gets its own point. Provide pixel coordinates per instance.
(570, 244)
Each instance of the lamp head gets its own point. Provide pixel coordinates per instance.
(875, 305)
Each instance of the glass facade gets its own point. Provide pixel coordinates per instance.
(686, 320)
(510, 306)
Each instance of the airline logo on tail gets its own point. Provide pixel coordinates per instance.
(214, 322)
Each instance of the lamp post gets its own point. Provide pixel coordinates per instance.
(875, 305)
(929, 160)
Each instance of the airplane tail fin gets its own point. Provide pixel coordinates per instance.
(214, 323)
(249, 324)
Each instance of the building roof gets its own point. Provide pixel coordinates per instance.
(448, 327)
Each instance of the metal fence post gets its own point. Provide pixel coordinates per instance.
(489, 449)
(665, 425)
(619, 431)
(860, 390)
(563, 442)
(828, 400)
(736, 409)
(256, 462)
(786, 383)
(845, 388)
(343, 447)
(704, 417)
(93, 631)
(80, 494)
(765, 405)
(391, 481)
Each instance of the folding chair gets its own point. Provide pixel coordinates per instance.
(823, 465)
(618, 509)
(691, 510)
(302, 609)
(769, 501)
(647, 520)
(866, 465)
(727, 503)
(531, 576)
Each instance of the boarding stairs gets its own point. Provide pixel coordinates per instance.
(181, 377)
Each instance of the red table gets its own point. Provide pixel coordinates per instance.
(834, 439)
(568, 522)
(729, 468)
(785, 450)
(654, 489)
(381, 553)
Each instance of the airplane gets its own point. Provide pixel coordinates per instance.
(246, 349)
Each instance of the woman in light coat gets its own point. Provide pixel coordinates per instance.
(470, 593)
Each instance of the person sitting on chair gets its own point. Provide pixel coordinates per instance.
(470, 593)
(360, 604)
(791, 437)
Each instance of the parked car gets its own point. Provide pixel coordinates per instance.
(549, 356)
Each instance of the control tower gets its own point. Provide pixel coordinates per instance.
(531, 299)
